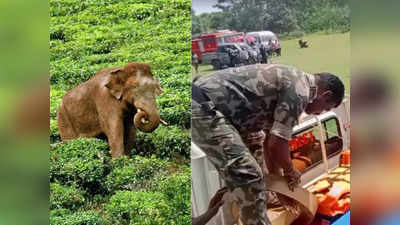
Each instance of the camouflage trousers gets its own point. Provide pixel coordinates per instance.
(233, 159)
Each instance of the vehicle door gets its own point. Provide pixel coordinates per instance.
(223, 54)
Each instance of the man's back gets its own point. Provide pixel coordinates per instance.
(250, 95)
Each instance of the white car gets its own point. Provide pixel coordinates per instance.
(263, 38)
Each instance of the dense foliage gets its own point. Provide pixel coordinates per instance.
(83, 178)
(127, 207)
(87, 187)
(66, 217)
(65, 196)
(285, 17)
(138, 173)
(81, 161)
(168, 202)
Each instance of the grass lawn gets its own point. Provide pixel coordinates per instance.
(327, 53)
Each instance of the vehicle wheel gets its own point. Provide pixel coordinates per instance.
(252, 61)
(216, 64)
(236, 62)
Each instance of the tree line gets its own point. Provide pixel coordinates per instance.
(285, 17)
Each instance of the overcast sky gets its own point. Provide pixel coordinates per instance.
(201, 6)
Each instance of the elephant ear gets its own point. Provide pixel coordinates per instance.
(115, 84)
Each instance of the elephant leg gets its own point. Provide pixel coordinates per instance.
(65, 127)
(115, 135)
(129, 137)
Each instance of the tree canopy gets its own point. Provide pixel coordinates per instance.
(279, 16)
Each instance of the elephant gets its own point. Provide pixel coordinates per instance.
(111, 105)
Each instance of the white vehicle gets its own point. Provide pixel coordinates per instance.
(327, 126)
(263, 38)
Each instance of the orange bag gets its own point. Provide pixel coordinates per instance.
(345, 158)
(330, 204)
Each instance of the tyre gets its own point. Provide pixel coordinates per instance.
(252, 61)
(216, 64)
(235, 62)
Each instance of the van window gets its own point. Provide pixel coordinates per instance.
(255, 36)
(220, 40)
(305, 148)
(264, 38)
(227, 39)
(208, 41)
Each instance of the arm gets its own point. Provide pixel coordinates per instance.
(278, 154)
(204, 218)
(215, 203)
(287, 111)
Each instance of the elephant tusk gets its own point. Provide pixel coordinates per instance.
(145, 121)
(163, 122)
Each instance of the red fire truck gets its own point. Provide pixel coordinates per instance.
(206, 43)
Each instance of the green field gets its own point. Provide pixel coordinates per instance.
(327, 53)
(152, 186)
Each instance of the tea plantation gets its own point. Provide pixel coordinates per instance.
(152, 186)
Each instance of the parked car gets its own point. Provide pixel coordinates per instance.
(266, 38)
(227, 55)
(206, 43)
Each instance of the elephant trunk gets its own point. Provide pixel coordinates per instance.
(147, 121)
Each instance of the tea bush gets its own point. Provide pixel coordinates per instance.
(54, 133)
(175, 106)
(145, 208)
(137, 173)
(164, 142)
(66, 217)
(65, 196)
(80, 161)
(85, 37)
(176, 189)
(55, 100)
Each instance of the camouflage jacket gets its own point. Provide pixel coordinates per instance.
(268, 97)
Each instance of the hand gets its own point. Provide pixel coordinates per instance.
(293, 177)
(217, 198)
(215, 203)
(212, 211)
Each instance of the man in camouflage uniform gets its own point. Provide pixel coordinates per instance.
(240, 113)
